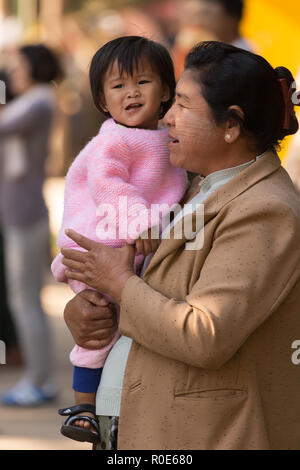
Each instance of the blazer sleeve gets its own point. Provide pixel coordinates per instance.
(252, 265)
(109, 180)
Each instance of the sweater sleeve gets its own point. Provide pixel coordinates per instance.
(236, 292)
(119, 203)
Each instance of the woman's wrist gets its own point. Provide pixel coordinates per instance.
(118, 286)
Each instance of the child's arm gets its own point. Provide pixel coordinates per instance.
(59, 273)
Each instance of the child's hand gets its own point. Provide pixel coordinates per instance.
(147, 246)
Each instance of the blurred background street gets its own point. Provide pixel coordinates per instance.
(38, 428)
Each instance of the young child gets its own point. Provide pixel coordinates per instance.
(132, 82)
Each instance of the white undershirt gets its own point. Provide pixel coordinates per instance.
(108, 400)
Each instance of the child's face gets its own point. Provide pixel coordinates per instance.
(134, 101)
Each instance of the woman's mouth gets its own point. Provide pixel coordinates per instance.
(172, 142)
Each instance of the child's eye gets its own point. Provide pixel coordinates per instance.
(118, 86)
(142, 82)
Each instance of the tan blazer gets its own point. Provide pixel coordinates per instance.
(211, 362)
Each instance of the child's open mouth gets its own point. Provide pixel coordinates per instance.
(133, 106)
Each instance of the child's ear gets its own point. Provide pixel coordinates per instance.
(166, 94)
(102, 103)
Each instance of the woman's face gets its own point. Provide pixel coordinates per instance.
(196, 140)
(20, 76)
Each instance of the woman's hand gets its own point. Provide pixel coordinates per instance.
(100, 267)
(91, 319)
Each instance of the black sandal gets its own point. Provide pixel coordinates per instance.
(75, 432)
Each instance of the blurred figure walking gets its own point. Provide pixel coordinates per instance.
(222, 18)
(25, 128)
(208, 20)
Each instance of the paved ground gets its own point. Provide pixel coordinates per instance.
(38, 428)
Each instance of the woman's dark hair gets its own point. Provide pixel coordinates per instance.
(44, 64)
(231, 76)
(128, 51)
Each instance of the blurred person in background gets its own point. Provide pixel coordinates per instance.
(207, 20)
(222, 18)
(7, 328)
(25, 128)
(191, 32)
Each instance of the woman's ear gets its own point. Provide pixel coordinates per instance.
(233, 126)
(102, 103)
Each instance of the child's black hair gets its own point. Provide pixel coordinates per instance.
(128, 51)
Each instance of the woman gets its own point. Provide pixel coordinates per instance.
(212, 328)
(25, 127)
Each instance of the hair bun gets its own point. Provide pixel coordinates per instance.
(286, 81)
(283, 72)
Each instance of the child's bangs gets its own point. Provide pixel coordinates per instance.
(130, 59)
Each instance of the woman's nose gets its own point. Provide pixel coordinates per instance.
(169, 117)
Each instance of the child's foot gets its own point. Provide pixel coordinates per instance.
(85, 429)
(86, 424)
(89, 398)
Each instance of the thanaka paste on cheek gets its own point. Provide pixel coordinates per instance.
(198, 129)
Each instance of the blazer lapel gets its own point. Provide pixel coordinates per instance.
(213, 204)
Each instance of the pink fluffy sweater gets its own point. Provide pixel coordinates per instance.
(109, 190)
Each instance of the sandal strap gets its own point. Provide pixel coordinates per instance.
(73, 410)
(92, 421)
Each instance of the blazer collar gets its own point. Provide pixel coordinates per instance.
(254, 173)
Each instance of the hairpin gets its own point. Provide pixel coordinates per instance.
(288, 104)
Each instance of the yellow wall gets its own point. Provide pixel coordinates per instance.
(274, 28)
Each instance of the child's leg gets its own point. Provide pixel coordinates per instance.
(89, 399)
(85, 386)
